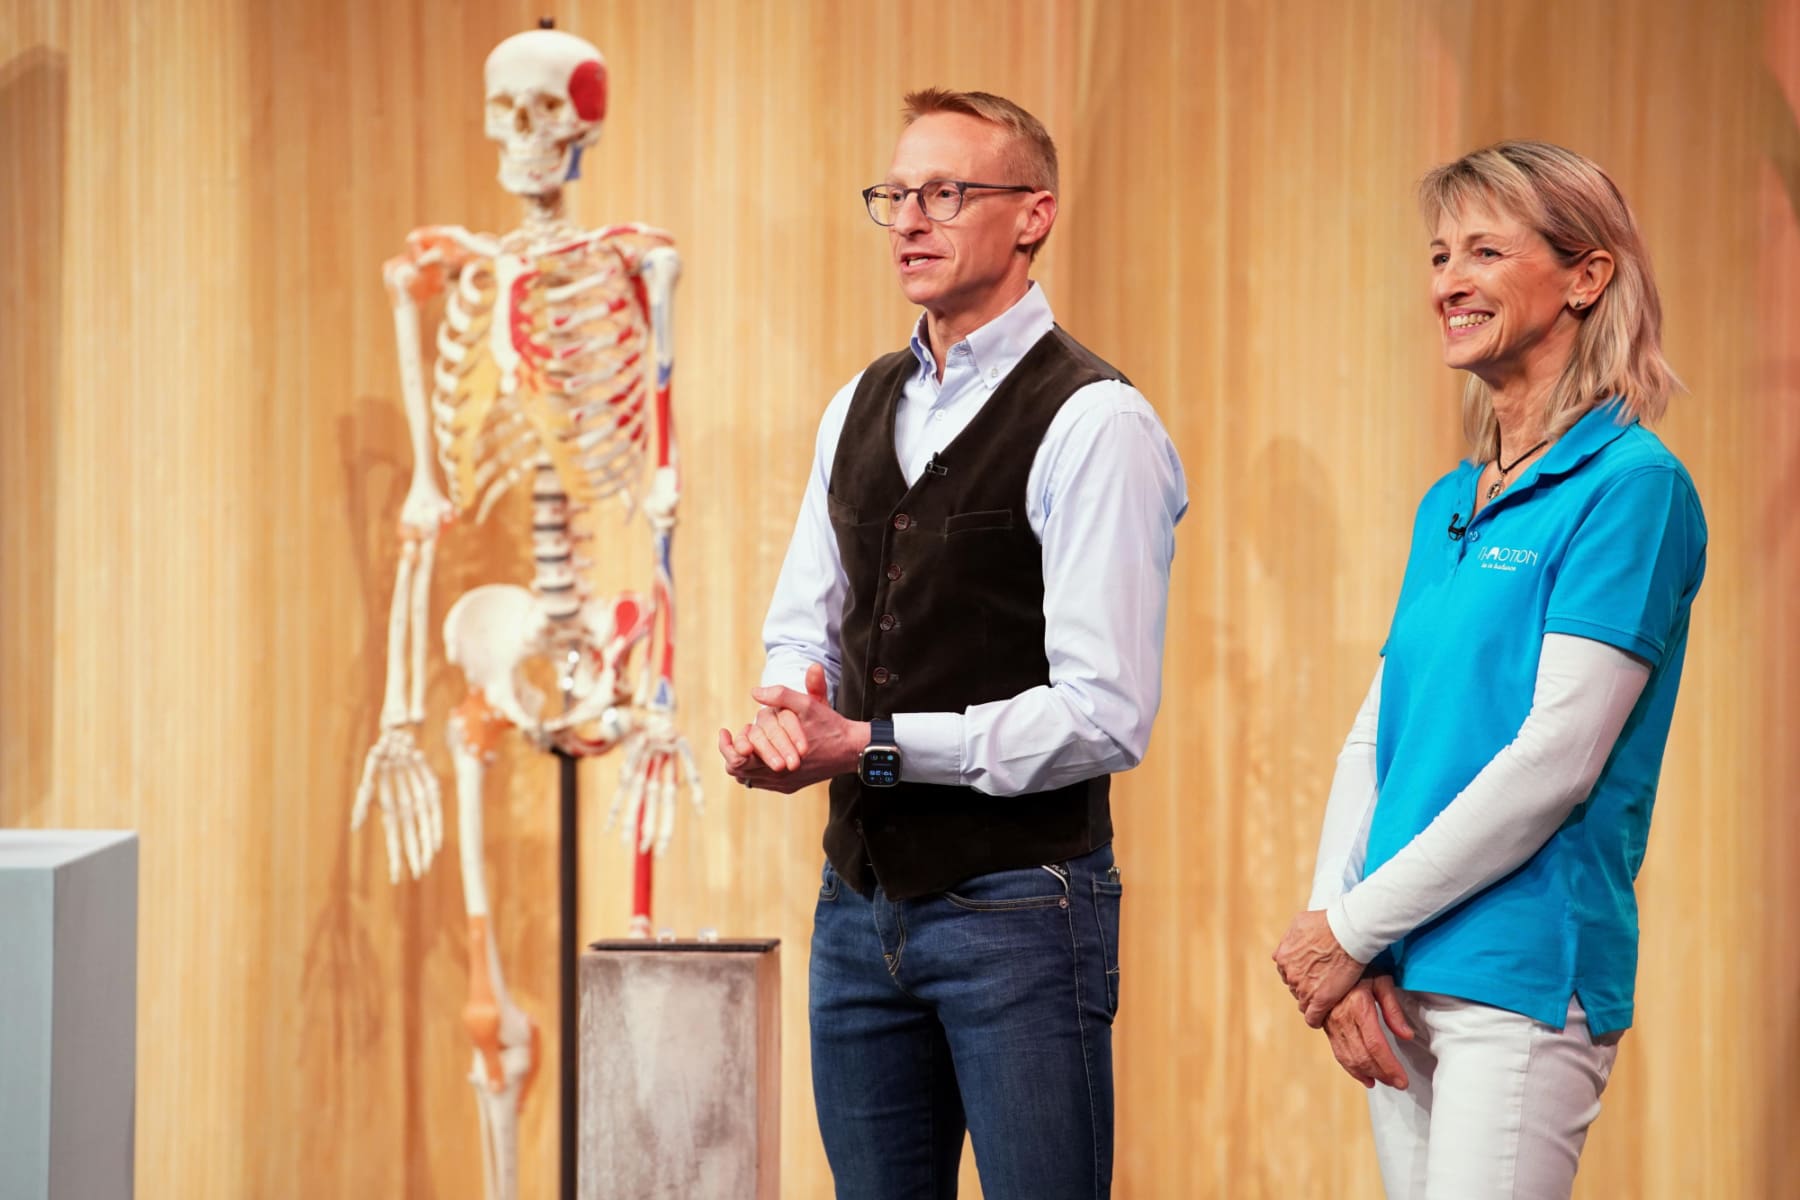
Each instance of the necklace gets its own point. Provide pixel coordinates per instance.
(1504, 468)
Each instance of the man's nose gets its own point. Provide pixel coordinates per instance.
(910, 216)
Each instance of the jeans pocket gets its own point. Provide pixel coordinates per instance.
(828, 883)
(1006, 891)
(1107, 895)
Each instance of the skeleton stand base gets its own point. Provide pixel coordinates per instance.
(681, 1070)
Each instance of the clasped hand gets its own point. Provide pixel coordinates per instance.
(1331, 991)
(795, 740)
(1316, 969)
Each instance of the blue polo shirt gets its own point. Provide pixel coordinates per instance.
(1601, 538)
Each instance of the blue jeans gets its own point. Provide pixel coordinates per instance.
(989, 1008)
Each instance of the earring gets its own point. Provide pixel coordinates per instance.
(1576, 304)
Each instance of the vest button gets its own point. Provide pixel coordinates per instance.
(887, 622)
(902, 522)
(881, 675)
(893, 571)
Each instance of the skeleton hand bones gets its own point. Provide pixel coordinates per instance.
(658, 763)
(412, 813)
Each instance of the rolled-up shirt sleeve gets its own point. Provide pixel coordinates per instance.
(1105, 494)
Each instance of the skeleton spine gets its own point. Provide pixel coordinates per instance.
(553, 580)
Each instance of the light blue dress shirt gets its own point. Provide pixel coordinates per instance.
(1104, 494)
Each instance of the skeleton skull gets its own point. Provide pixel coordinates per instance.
(546, 98)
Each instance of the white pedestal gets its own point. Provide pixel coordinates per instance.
(680, 1070)
(68, 1013)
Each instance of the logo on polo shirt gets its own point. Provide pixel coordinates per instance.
(1507, 558)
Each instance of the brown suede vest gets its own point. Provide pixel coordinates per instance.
(945, 609)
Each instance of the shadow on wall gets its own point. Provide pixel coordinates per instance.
(34, 104)
(1309, 666)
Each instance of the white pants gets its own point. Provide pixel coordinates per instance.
(1497, 1105)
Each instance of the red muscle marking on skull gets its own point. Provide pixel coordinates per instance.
(587, 90)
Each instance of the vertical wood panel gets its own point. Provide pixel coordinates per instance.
(202, 458)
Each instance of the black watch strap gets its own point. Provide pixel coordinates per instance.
(878, 766)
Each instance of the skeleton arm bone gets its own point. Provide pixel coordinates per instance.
(659, 762)
(657, 272)
(434, 255)
(394, 772)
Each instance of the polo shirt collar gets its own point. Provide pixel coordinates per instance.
(1603, 424)
(1594, 432)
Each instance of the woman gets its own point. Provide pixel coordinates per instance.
(1490, 808)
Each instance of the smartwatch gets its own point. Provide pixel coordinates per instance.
(879, 763)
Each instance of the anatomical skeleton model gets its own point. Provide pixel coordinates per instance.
(553, 365)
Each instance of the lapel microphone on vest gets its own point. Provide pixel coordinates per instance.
(934, 467)
(1456, 531)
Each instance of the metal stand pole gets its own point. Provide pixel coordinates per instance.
(568, 949)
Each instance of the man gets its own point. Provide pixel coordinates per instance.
(966, 639)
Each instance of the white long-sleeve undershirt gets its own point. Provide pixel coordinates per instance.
(1344, 834)
(1584, 694)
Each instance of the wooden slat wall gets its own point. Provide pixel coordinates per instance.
(202, 457)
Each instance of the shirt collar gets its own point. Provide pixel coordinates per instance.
(996, 348)
(1602, 425)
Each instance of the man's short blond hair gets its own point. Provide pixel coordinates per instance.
(1031, 154)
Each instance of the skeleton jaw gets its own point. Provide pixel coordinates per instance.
(537, 171)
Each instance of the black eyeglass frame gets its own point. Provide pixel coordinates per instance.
(962, 187)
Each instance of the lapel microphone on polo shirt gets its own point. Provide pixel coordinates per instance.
(1456, 531)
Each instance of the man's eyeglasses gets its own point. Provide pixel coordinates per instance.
(941, 199)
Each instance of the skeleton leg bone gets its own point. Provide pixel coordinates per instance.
(507, 1048)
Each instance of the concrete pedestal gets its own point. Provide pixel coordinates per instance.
(68, 1014)
(680, 1070)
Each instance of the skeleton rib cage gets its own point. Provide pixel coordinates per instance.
(545, 358)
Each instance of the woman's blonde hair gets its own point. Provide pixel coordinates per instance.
(1572, 203)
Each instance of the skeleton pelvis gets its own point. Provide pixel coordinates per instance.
(512, 652)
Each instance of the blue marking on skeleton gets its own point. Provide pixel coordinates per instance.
(663, 371)
(662, 555)
(665, 693)
(574, 166)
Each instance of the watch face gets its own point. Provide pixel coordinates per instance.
(880, 767)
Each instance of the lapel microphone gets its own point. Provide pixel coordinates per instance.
(1456, 531)
(934, 467)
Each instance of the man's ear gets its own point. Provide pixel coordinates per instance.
(1040, 215)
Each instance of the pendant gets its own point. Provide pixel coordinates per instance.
(1494, 488)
